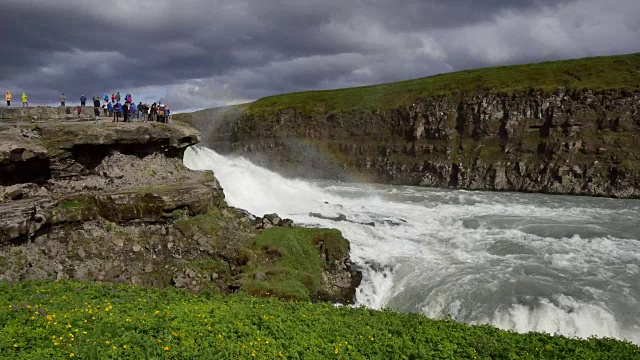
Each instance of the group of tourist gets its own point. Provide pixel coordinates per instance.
(8, 96)
(111, 106)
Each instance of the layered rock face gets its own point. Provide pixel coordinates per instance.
(569, 142)
(45, 113)
(113, 202)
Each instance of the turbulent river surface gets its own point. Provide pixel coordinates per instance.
(524, 262)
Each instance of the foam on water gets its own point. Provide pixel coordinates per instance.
(523, 262)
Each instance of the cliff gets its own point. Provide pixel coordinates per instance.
(567, 127)
(44, 113)
(113, 202)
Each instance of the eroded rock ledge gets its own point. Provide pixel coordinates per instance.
(113, 202)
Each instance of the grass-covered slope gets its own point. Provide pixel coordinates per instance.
(597, 73)
(91, 321)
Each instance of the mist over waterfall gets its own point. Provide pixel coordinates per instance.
(524, 262)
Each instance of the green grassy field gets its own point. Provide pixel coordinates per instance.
(620, 72)
(66, 320)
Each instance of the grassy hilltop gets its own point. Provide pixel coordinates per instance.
(620, 72)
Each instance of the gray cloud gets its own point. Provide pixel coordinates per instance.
(202, 53)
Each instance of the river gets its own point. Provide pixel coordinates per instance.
(524, 262)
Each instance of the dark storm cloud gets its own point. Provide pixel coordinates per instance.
(202, 53)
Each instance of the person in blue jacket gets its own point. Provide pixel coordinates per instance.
(110, 108)
(133, 111)
(117, 110)
(106, 97)
(83, 100)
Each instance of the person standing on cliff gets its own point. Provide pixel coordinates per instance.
(96, 108)
(117, 109)
(25, 103)
(83, 100)
(7, 96)
(125, 112)
(62, 100)
(118, 97)
(133, 110)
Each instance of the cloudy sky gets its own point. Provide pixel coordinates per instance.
(203, 53)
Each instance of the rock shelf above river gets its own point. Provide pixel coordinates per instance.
(113, 202)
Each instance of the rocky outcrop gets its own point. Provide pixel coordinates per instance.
(40, 152)
(45, 113)
(578, 142)
(113, 202)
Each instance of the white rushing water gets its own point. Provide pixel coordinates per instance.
(524, 262)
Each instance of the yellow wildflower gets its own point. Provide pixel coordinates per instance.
(72, 355)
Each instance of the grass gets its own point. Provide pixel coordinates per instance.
(620, 72)
(287, 264)
(205, 223)
(63, 320)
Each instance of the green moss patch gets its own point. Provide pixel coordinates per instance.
(205, 223)
(289, 263)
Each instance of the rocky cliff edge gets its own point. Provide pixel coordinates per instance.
(113, 202)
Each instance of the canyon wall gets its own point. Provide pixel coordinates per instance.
(579, 142)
